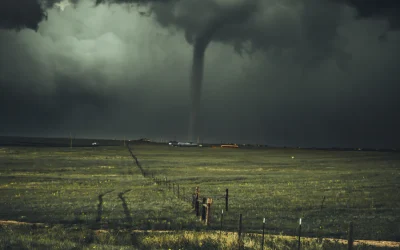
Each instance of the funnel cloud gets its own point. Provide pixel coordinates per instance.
(276, 72)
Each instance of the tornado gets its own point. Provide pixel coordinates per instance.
(199, 48)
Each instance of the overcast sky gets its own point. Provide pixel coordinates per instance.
(282, 72)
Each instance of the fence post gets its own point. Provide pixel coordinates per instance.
(299, 244)
(226, 200)
(203, 211)
(262, 241)
(222, 217)
(178, 190)
(208, 211)
(240, 231)
(193, 201)
(350, 239)
(197, 208)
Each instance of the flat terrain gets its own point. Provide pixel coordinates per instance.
(101, 188)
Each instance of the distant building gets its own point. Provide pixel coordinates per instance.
(187, 144)
(229, 146)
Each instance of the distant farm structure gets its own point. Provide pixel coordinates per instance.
(229, 146)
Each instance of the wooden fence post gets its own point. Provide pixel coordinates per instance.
(178, 190)
(350, 239)
(203, 211)
(197, 208)
(193, 201)
(208, 211)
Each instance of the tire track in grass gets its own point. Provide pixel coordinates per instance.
(136, 160)
(134, 233)
(100, 206)
(128, 216)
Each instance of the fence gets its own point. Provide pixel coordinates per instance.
(204, 211)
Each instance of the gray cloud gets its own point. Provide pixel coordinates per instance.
(309, 74)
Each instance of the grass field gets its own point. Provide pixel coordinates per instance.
(94, 197)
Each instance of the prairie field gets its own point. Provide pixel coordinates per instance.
(96, 197)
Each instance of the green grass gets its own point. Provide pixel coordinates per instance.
(86, 189)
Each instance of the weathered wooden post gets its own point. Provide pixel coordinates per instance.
(299, 243)
(262, 241)
(196, 201)
(197, 208)
(193, 201)
(195, 197)
(226, 200)
(178, 190)
(203, 211)
(350, 239)
(208, 211)
(240, 231)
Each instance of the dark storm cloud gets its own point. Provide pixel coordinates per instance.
(39, 93)
(21, 14)
(304, 73)
(389, 9)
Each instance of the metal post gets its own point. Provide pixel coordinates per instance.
(350, 237)
(262, 241)
(299, 243)
(226, 200)
(222, 217)
(240, 230)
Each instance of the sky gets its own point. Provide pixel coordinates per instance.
(307, 73)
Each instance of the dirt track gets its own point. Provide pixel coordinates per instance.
(390, 244)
